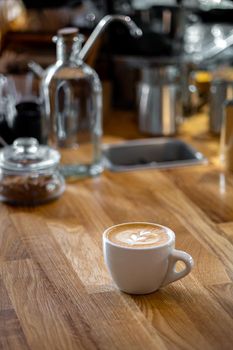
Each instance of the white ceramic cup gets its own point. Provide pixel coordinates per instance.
(144, 270)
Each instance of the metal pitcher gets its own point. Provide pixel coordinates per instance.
(220, 91)
(159, 100)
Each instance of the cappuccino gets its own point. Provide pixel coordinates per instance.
(138, 235)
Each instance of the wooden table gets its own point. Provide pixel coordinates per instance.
(55, 292)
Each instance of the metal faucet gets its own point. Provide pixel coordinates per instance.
(104, 22)
(101, 26)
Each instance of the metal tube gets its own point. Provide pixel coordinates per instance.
(133, 28)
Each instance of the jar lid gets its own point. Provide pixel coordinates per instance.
(27, 155)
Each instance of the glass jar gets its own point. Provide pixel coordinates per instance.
(29, 173)
(72, 95)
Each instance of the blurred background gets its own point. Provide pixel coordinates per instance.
(186, 47)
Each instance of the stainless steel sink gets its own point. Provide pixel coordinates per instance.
(150, 153)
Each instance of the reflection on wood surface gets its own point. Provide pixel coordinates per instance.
(55, 292)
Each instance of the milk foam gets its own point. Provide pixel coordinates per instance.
(138, 235)
(144, 236)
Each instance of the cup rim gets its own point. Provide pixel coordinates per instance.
(170, 232)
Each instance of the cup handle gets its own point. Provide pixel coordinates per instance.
(172, 274)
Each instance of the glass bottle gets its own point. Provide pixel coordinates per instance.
(72, 95)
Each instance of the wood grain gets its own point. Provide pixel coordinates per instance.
(55, 291)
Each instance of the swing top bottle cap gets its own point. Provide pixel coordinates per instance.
(68, 32)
